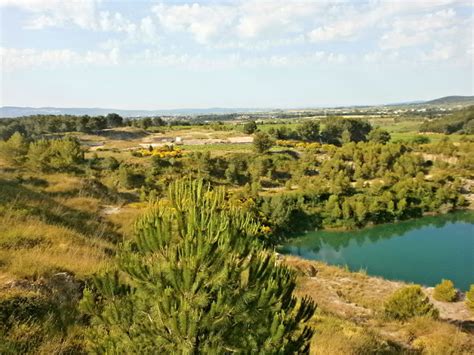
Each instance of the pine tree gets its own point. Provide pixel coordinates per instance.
(195, 279)
(14, 149)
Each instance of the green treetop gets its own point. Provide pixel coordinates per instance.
(262, 142)
(195, 279)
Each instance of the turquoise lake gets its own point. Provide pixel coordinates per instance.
(422, 251)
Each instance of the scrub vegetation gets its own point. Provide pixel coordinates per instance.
(102, 229)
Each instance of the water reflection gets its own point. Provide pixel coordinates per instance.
(423, 251)
(314, 241)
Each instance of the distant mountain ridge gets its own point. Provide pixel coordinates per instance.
(451, 100)
(16, 111)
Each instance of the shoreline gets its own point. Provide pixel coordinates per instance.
(321, 281)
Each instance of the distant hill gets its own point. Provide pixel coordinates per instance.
(461, 121)
(452, 100)
(15, 111)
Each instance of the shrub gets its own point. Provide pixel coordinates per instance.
(445, 291)
(14, 149)
(262, 142)
(250, 127)
(409, 302)
(110, 163)
(309, 131)
(421, 140)
(127, 178)
(470, 298)
(379, 135)
(61, 154)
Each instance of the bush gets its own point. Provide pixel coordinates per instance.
(250, 127)
(421, 140)
(445, 291)
(408, 302)
(470, 298)
(110, 163)
(262, 142)
(14, 149)
(61, 154)
(379, 135)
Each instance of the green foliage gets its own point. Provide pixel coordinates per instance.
(59, 154)
(114, 120)
(379, 135)
(262, 166)
(343, 130)
(285, 214)
(461, 121)
(470, 298)
(262, 142)
(196, 280)
(110, 163)
(14, 150)
(309, 131)
(201, 163)
(421, 140)
(127, 178)
(250, 127)
(445, 291)
(409, 302)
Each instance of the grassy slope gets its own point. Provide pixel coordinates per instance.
(51, 223)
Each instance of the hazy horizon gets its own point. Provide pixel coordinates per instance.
(229, 108)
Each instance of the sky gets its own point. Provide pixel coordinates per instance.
(277, 54)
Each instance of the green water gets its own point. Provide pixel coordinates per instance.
(422, 251)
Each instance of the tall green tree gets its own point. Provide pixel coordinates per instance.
(196, 279)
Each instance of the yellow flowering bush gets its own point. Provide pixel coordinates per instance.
(298, 144)
(162, 152)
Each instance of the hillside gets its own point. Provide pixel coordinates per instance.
(19, 111)
(458, 122)
(452, 100)
(70, 195)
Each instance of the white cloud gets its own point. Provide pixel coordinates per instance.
(244, 21)
(235, 60)
(439, 52)
(274, 33)
(415, 30)
(13, 58)
(57, 13)
(337, 31)
(203, 22)
(148, 28)
(257, 18)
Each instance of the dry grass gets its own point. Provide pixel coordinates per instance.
(350, 321)
(47, 226)
(338, 336)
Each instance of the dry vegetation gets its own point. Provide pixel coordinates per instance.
(51, 223)
(350, 318)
